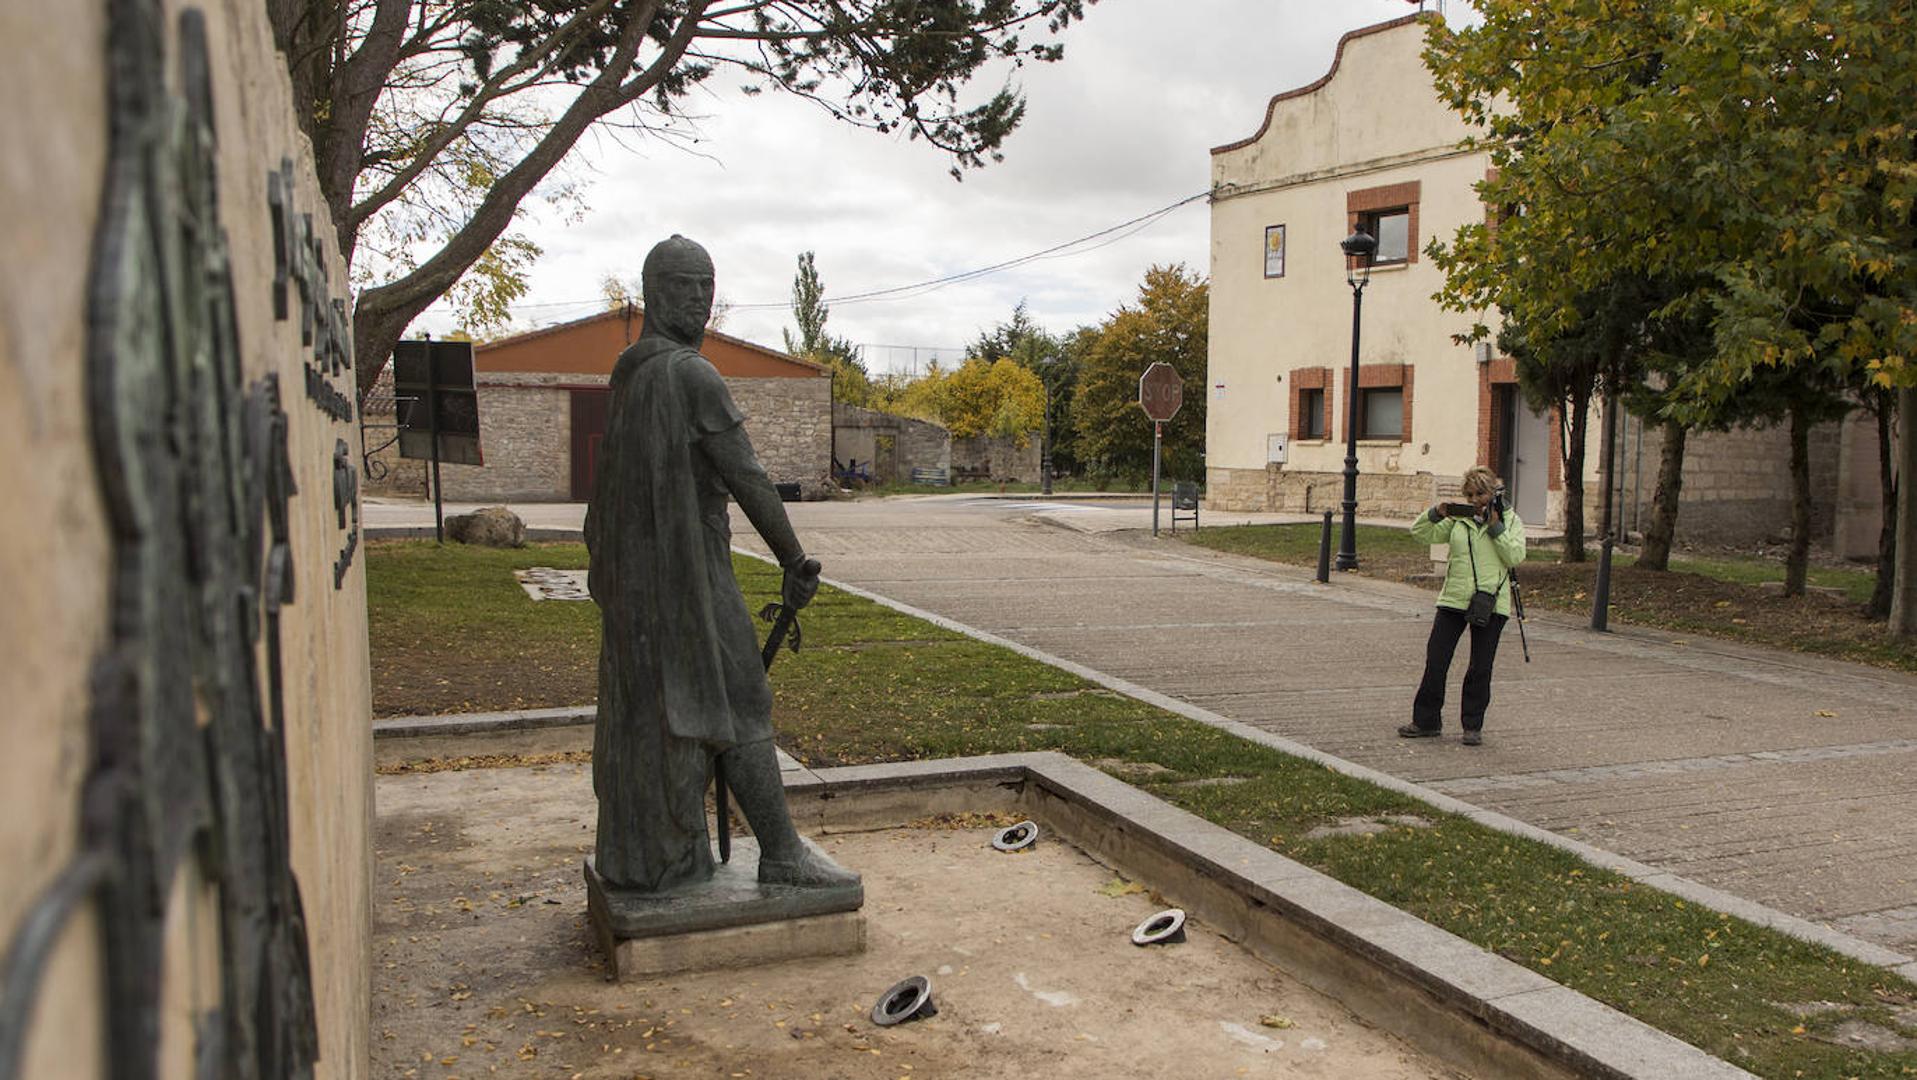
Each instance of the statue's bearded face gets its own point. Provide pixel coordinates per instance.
(682, 302)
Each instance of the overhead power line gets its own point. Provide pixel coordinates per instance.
(1082, 245)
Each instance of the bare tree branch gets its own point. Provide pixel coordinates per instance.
(542, 58)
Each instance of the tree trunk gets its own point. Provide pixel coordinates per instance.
(1887, 532)
(1670, 483)
(1797, 563)
(1903, 602)
(374, 336)
(382, 313)
(1574, 427)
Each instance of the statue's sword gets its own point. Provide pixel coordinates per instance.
(785, 629)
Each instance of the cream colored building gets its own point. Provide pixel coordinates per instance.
(1370, 142)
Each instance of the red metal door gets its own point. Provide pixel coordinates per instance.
(589, 411)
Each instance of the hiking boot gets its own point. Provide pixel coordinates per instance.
(1473, 738)
(1413, 731)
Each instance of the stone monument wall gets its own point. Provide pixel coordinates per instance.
(185, 626)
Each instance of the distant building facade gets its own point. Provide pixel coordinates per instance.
(1371, 143)
(543, 399)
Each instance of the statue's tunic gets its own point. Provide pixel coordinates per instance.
(680, 677)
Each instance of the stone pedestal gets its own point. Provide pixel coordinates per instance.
(729, 921)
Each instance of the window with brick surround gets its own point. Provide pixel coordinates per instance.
(1389, 213)
(1311, 414)
(1392, 230)
(1381, 412)
(1310, 403)
(1384, 402)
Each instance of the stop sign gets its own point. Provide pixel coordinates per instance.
(1161, 391)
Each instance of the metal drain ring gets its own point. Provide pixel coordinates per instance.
(911, 999)
(1165, 928)
(1016, 837)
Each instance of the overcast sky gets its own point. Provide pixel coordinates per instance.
(1118, 129)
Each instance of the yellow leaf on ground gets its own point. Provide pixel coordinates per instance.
(1120, 887)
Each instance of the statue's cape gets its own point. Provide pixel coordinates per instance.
(664, 652)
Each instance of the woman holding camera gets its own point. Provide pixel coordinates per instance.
(1486, 541)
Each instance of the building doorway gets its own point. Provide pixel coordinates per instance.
(1521, 451)
(1530, 476)
(590, 409)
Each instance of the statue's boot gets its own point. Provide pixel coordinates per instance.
(752, 772)
(809, 871)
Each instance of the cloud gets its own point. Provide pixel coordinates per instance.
(1122, 126)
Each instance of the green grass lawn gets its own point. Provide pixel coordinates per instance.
(873, 685)
(1722, 596)
(1298, 544)
(1857, 584)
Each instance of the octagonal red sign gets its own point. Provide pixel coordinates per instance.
(1161, 391)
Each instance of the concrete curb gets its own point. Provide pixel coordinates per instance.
(1423, 983)
(1690, 891)
(482, 723)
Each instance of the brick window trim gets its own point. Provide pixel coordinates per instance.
(1303, 379)
(1388, 197)
(1376, 377)
(1499, 372)
(1504, 371)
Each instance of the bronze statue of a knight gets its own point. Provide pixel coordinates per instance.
(681, 683)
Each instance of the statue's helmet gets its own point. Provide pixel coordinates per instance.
(675, 306)
(676, 255)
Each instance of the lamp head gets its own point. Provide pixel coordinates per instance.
(1359, 247)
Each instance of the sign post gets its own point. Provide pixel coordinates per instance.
(440, 373)
(1160, 393)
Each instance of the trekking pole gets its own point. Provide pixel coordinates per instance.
(1517, 605)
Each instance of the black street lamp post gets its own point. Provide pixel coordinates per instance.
(1359, 247)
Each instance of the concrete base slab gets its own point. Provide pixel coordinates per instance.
(841, 934)
(730, 920)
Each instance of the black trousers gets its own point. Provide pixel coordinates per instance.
(1427, 709)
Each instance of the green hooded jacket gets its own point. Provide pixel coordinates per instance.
(1497, 547)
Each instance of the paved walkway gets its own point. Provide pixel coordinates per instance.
(1785, 779)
